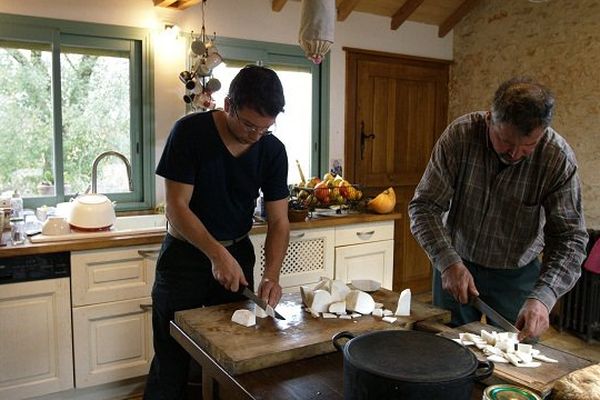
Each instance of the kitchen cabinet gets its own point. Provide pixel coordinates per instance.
(35, 339)
(309, 257)
(112, 332)
(365, 251)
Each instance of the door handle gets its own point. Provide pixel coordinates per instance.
(297, 235)
(363, 138)
(149, 254)
(365, 235)
(146, 307)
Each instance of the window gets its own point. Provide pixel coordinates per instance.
(69, 92)
(301, 126)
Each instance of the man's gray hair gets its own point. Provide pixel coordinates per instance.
(524, 103)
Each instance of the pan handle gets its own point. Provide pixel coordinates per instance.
(341, 335)
(484, 370)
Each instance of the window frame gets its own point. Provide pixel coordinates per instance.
(252, 51)
(93, 35)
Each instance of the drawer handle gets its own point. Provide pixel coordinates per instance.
(297, 235)
(365, 235)
(149, 254)
(146, 307)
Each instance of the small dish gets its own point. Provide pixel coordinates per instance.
(55, 225)
(366, 285)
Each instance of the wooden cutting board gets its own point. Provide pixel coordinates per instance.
(540, 379)
(271, 342)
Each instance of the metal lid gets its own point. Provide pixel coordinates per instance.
(508, 392)
(410, 356)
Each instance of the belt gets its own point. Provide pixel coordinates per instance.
(231, 242)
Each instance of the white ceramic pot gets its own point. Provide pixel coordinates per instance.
(91, 212)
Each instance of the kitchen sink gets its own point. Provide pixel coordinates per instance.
(130, 225)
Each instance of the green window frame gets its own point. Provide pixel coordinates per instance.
(267, 53)
(138, 44)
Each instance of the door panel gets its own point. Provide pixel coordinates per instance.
(395, 110)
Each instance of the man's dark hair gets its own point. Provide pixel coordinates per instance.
(258, 88)
(523, 103)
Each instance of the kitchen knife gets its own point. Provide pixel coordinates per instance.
(261, 303)
(493, 315)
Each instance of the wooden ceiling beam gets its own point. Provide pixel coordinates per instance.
(277, 5)
(183, 4)
(345, 8)
(456, 17)
(404, 12)
(163, 3)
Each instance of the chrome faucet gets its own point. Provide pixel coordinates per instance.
(108, 154)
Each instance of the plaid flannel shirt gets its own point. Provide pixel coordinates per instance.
(468, 205)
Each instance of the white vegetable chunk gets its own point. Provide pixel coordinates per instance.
(390, 320)
(321, 300)
(542, 357)
(355, 315)
(306, 292)
(387, 313)
(339, 307)
(339, 290)
(244, 317)
(360, 302)
(403, 308)
(345, 316)
(378, 312)
(327, 315)
(497, 358)
(525, 357)
(259, 312)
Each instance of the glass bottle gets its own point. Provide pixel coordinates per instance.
(17, 230)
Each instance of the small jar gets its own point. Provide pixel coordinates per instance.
(17, 230)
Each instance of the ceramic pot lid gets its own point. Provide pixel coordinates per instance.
(410, 356)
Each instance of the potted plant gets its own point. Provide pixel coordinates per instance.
(46, 186)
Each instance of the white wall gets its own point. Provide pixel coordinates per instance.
(248, 19)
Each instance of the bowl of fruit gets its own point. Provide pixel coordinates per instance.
(327, 192)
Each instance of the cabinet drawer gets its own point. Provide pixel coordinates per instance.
(364, 233)
(99, 276)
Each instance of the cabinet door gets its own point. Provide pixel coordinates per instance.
(309, 257)
(35, 338)
(373, 260)
(112, 274)
(112, 341)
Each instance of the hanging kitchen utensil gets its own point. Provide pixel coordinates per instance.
(317, 23)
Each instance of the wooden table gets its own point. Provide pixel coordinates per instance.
(317, 374)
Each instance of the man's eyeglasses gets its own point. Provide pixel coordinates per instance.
(251, 128)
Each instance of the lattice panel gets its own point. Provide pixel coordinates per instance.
(302, 256)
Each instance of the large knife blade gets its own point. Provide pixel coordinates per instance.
(493, 315)
(261, 303)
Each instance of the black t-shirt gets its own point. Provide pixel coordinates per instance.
(225, 187)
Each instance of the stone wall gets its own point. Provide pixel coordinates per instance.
(556, 42)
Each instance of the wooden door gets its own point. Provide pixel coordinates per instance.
(396, 108)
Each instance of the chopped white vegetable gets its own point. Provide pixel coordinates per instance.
(356, 315)
(542, 357)
(327, 315)
(339, 307)
(525, 357)
(345, 316)
(533, 364)
(403, 308)
(259, 312)
(378, 312)
(321, 300)
(488, 337)
(360, 302)
(524, 348)
(339, 290)
(391, 320)
(244, 317)
(497, 358)
(306, 292)
(387, 313)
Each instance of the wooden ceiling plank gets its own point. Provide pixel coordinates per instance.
(456, 17)
(277, 5)
(163, 3)
(404, 12)
(345, 8)
(183, 4)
